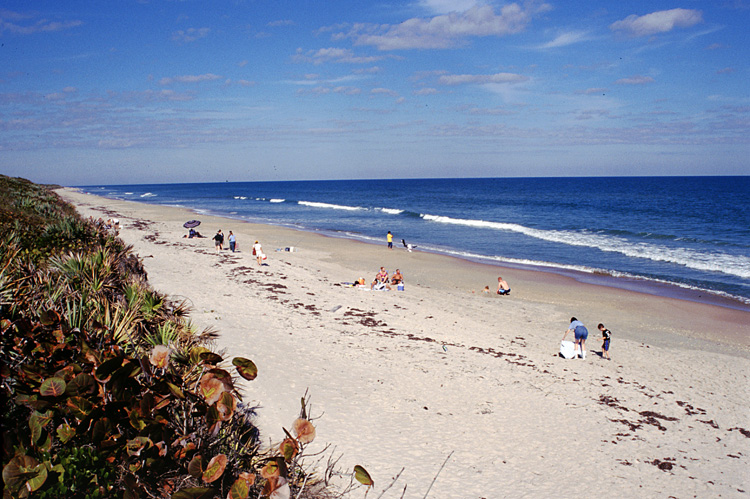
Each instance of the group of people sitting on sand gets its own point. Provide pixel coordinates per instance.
(503, 288)
(382, 281)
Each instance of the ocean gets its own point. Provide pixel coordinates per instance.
(687, 237)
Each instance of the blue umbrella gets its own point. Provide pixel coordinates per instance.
(191, 224)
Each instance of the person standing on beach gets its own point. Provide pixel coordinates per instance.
(258, 252)
(219, 241)
(232, 241)
(606, 335)
(581, 333)
(389, 239)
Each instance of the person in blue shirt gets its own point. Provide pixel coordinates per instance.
(581, 333)
(232, 241)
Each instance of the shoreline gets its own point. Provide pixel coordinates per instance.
(645, 285)
(726, 338)
(406, 379)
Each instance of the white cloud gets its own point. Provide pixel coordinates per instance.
(564, 39)
(383, 91)
(446, 30)
(190, 34)
(635, 80)
(447, 6)
(333, 54)
(658, 22)
(426, 91)
(189, 79)
(24, 24)
(592, 91)
(481, 79)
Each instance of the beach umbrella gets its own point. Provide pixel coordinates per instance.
(191, 224)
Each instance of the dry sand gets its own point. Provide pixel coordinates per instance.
(441, 371)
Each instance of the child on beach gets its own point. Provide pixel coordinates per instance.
(606, 335)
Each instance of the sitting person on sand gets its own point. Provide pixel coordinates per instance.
(397, 277)
(502, 287)
(381, 280)
(486, 290)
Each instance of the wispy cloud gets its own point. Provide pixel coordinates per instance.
(657, 22)
(333, 54)
(20, 23)
(280, 22)
(190, 34)
(189, 79)
(565, 39)
(635, 80)
(444, 31)
(481, 79)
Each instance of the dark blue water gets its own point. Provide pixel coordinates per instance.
(688, 233)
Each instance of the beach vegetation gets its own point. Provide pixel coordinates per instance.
(108, 389)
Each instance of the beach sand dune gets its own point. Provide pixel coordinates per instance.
(441, 374)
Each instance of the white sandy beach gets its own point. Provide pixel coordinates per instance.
(407, 379)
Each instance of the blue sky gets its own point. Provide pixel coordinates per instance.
(174, 91)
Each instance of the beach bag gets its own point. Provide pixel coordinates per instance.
(253, 251)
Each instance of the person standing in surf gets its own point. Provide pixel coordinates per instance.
(389, 240)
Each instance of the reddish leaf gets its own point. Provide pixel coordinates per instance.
(215, 468)
(239, 490)
(52, 387)
(195, 493)
(196, 467)
(245, 368)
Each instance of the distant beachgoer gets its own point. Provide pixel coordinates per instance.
(258, 252)
(581, 333)
(397, 277)
(381, 280)
(486, 290)
(389, 239)
(232, 241)
(502, 287)
(606, 336)
(219, 241)
(191, 233)
(408, 247)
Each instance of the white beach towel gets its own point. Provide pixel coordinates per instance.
(567, 349)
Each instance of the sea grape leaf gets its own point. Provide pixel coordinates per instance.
(49, 317)
(82, 384)
(107, 367)
(195, 493)
(226, 406)
(245, 368)
(239, 490)
(20, 469)
(195, 467)
(210, 357)
(65, 432)
(136, 445)
(215, 468)
(37, 422)
(362, 476)
(175, 390)
(52, 387)
(195, 354)
(80, 407)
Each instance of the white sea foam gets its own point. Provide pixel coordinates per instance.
(390, 211)
(712, 262)
(148, 195)
(240, 197)
(276, 200)
(330, 206)
(129, 193)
